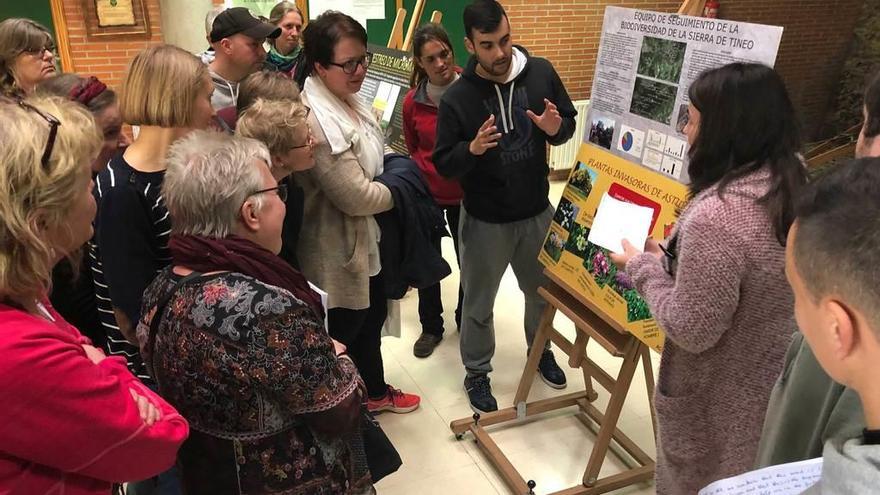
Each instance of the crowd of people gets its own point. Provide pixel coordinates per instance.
(199, 308)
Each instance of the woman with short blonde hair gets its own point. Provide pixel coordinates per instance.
(75, 420)
(162, 83)
(27, 56)
(265, 84)
(167, 92)
(230, 329)
(283, 128)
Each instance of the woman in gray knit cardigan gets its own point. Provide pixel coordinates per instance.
(720, 292)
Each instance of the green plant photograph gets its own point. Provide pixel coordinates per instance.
(662, 59)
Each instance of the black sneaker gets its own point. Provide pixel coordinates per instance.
(550, 372)
(425, 345)
(480, 394)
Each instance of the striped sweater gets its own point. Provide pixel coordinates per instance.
(129, 248)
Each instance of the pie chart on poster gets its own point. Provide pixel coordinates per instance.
(626, 141)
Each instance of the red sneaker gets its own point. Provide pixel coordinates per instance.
(394, 401)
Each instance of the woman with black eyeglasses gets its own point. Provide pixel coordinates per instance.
(234, 336)
(339, 241)
(27, 56)
(74, 420)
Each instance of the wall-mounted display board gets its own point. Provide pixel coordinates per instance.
(384, 88)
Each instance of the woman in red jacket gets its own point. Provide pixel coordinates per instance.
(434, 71)
(73, 420)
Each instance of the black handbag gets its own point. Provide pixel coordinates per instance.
(382, 457)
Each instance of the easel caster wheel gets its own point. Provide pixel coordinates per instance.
(531, 484)
(459, 436)
(592, 396)
(476, 417)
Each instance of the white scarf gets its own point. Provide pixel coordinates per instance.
(363, 136)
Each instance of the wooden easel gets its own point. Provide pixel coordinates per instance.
(617, 342)
(396, 41)
(692, 7)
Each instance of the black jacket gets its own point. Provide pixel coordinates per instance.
(293, 219)
(509, 182)
(409, 258)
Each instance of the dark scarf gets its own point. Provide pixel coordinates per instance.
(236, 254)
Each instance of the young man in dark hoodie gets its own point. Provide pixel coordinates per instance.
(493, 128)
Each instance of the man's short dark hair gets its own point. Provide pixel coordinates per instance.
(837, 241)
(322, 34)
(483, 15)
(872, 105)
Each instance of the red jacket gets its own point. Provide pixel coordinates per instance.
(67, 425)
(420, 130)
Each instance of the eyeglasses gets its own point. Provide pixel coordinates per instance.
(39, 52)
(280, 188)
(53, 130)
(351, 66)
(309, 142)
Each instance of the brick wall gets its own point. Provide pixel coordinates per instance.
(108, 58)
(814, 47)
(814, 44)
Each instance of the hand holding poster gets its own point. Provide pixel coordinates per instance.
(635, 149)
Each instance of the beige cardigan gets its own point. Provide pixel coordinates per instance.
(333, 243)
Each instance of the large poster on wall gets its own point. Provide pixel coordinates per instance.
(634, 147)
(645, 66)
(384, 89)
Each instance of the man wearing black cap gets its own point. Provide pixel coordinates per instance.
(237, 37)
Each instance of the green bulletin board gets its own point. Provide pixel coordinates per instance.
(37, 10)
(379, 30)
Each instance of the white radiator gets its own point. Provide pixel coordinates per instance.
(563, 157)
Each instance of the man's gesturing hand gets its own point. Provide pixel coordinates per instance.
(550, 121)
(487, 137)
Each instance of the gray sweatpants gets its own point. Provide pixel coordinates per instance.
(486, 249)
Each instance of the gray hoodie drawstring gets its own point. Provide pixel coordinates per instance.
(504, 118)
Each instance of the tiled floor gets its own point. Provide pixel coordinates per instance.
(552, 451)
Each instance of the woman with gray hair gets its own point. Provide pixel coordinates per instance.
(235, 338)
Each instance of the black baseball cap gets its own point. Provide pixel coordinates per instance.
(239, 20)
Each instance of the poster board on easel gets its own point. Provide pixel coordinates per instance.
(634, 147)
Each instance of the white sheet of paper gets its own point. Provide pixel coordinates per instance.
(321, 292)
(618, 220)
(784, 479)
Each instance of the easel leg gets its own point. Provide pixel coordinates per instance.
(649, 382)
(545, 326)
(576, 360)
(612, 412)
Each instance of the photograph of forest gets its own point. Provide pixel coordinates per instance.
(662, 59)
(602, 132)
(653, 100)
